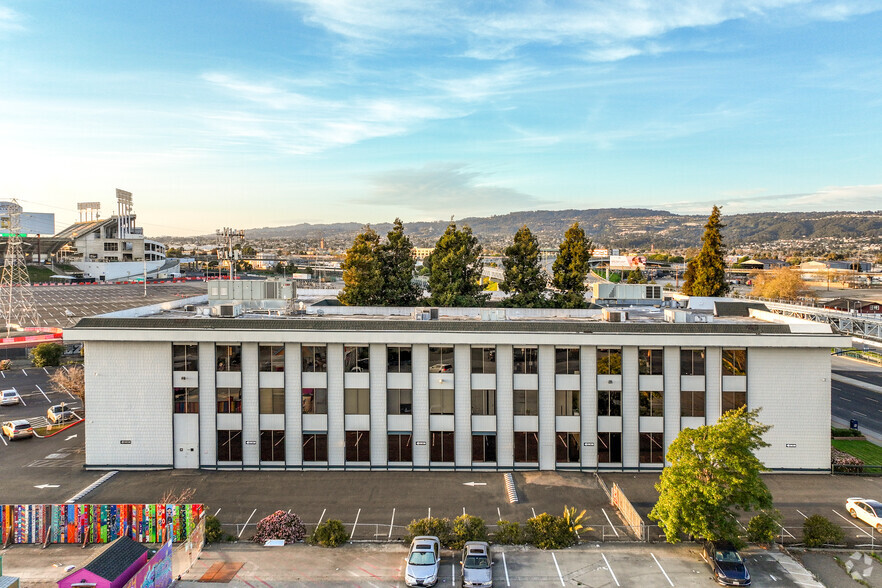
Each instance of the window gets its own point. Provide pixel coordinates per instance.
(357, 401)
(440, 359)
(733, 400)
(185, 358)
(609, 403)
(229, 445)
(692, 362)
(314, 401)
(272, 446)
(441, 446)
(566, 360)
(398, 360)
(483, 448)
(483, 360)
(484, 402)
(609, 448)
(566, 448)
(525, 360)
(651, 362)
(315, 447)
(566, 402)
(652, 448)
(609, 361)
(358, 445)
(186, 400)
(526, 402)
(734, 362)
(272, 400)
(399, 401)
(271, 358)
(229, 400)
(229, 358)
(314, 358)
(440, 401)
(652, 404)
(400, 447)
(692, 403)
(111, 246)
(526, 447)
(356, 358)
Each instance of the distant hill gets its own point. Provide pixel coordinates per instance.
(616, 227)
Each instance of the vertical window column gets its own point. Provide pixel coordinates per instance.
(420, 407)
(207, 406)
(504, 408)
(544, 365)
(462, 416)
(588, 369)
(377, 367)
(713, 384)
(630, 408)
(293, 423)
(250, 404)
(672, 394)
(336, 441)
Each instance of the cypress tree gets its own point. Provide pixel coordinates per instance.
(362, 271)
(710, 268)
(455, 269)
(571, 268)
(524, 278)
(398, 265)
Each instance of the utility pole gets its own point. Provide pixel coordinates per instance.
(225, 239)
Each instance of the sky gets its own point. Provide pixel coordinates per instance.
(255, 113)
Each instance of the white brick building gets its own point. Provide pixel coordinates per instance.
(551, 390)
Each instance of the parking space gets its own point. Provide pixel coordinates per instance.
(37, 396)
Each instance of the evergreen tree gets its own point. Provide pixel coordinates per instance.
(636, 276)
(689, 278)
(398, 266)
(710, 268)
(524, 278)
(455, 269)
(362, 271)
(571, 268)
(713, 471)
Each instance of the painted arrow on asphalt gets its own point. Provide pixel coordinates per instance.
(474, 483)
(69, 438)
(44, 486)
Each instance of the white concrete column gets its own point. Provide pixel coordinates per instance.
(250, 406)
(546, 407)
(207, 406)
(420, 408)
(588, 404)
(713, 383)
(336, 435)
(462, 406)
(630, 409)
(504, 407)
(672, 396)
(293, 406)
(379, 442)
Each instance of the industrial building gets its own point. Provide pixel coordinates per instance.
(325, 387)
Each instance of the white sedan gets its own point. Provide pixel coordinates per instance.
(9, 397)
(869, 511)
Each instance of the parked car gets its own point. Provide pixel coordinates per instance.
(60, 413)
(423, 561)
(9, 397)
(440, 368)
(726, 563)
(477, 565)
(20, 429)
(869, 511)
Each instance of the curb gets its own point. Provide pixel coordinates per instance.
(61, 430)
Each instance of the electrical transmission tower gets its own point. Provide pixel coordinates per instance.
(17, 306)
(225, 251)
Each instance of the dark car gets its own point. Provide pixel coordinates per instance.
(726, 563)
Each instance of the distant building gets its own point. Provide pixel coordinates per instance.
(30, 223)
(850, 305)
(422, 253)
(762, 264)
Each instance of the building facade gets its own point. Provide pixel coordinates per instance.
(361, 392)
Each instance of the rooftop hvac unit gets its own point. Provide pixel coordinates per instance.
(425, 314)
(229, 310)
(614, 316)
(493, 314)
(190, 308)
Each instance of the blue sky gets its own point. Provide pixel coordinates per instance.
(255, 113)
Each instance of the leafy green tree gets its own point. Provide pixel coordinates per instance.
(524, 279)
(636, 276)
(47, 354)
(398, 267)
(710, 268)
(363, 271)
(455, 269)
(713, 471)
(571, 268)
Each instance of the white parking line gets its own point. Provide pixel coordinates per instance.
(3, 374)
(22, 400)
(559, 575)
(610, 522)
(4, 441)
(850, 523)
(534, 512)
(354, 524)
(452, 574)
(430, 512)
(24, 372)
(246, 522)
(391, 523)
(44, 395)
(505, 567)
(217, 511)
(46, 371)
(609, 567)
(498, 514)
(802, 513)
(661, 568)
(321, 517)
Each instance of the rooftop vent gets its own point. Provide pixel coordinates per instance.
(614, 316)
(425, 314)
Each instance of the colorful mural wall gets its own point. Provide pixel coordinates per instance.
(156, 573)
(97, 523)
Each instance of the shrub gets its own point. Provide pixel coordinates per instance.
(280, 525)
(4, 364)
(818, 530)
(763, 527)
(213, 531)
(836, 432)
(467, 528)
(432, 526)
(330, 533)
(509, 533)
(845, 462)
(47, 354)
(547, 531)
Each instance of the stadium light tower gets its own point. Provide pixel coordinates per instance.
(17, 306)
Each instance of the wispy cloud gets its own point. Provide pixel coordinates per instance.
(10, 20)
(444, 188)
(829, 198)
